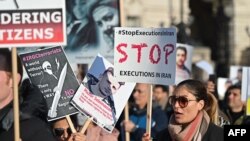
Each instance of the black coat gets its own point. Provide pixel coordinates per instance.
(32, 126)
(214, 133)
(31, 129)
(32, 100)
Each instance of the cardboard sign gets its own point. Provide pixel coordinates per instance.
(246, 75)
(223, 84)
(101, 96)
(235, 74)
(205, 66)
(145, 55)
(50, 71)
(245, 88)
(184, 55)
(87, 31)
(24, 26)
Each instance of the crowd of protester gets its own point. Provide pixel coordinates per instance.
(192, 111)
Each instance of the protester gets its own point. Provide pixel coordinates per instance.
(160, 98)
(136, 125)
(235, 106)
(216, 115)
(212, 86)
(160, 95)
(81, 72)
(189, 121)
(32, 100)
(62, 131)
(31, 127)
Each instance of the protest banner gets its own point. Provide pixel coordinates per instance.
(245, 88)
(151, 52)
(223, 84)
(32, 24)
(235, 74)
(184, 55)
(101, 96)
(87, 31)
(145, 55)
(205, 66)
(50, 71)
(27, 23)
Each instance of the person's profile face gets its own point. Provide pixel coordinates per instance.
(6, 86)
(108, 84)
(234, 98)
(61, 130)
(140, 94)
(185, 114)
(180, 57)
(106, 18)
(159, 94)
(80, 9)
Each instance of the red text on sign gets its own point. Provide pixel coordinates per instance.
(155, 49)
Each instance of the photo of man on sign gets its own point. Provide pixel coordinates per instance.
(183, 71)
(101, 96)
(105, 87)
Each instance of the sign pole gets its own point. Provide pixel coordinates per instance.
(149, 111)
(126, 109)
(15, 92)
(86, 124)
(71, 125)
(126, 114)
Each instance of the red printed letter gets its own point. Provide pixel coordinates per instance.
(151, 55)
(121, 60)
(168, 48)
(139, 47)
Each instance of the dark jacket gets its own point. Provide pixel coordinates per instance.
(138, 117)
(214, 133)
(32, 100)
(31, 128)
(239, 118)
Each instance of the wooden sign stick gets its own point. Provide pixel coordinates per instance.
(149, 111)
(71, 125)
(126, 114)
(15, 92)
(86, 124)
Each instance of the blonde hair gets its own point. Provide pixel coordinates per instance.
(212, 108)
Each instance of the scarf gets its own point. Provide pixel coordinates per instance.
(194, 131)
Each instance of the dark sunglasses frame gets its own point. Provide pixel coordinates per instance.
(59, 131)
(182, 101)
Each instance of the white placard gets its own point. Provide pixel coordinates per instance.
(30, 23)
(145, 55)
(101, 96)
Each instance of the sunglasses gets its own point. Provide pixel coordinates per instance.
(182, 101)
(60, 131)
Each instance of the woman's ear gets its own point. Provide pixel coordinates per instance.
(201, 104)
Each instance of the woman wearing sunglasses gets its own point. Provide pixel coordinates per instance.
(189, 121)
(63, 132)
